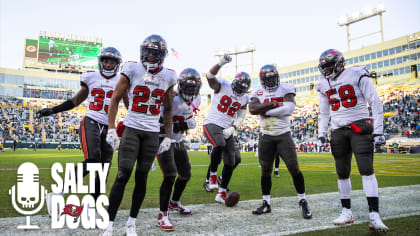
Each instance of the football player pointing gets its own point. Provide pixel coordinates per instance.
(275, 103)
(149, 85)
(344, 95)
(186, 101)
(97, 87)
(229, 99)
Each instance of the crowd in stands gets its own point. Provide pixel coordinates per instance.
(19, 122)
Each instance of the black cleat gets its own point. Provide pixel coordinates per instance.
(306, 213)
(207, 187)
(264, 208)
(219, 181)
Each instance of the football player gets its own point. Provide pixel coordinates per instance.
(185, 103)
(97, 87)
(275, 103)
(344, 96)
(149, 85)
(229, 100)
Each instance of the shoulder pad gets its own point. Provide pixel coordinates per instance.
(288, 88)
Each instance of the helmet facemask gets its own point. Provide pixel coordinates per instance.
(152, 58)
(109, 53)
(108, 72)
(189, 84)
(241, 84)
(331, 63)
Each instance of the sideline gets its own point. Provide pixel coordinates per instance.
(216, 219)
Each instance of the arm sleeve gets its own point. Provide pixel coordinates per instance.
(324, 115)
(285, 110)
(372, 97)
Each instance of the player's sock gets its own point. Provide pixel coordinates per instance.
(131, 220)
(344, 187)
(267, 198)
(301, 196)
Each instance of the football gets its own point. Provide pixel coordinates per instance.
(231, 199)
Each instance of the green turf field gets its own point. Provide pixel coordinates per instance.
(318, 169)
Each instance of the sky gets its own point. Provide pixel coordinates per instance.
(283, 32)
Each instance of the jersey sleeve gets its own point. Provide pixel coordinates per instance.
(372, 97)
(128, 69)
(360, 72)
(323, 116)
(172, 78)
(197, 101)
(86, 78)
(288, 88)
(255, 92)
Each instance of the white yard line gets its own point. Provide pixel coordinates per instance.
(216, 219)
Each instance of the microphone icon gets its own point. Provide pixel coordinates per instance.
(27, 193)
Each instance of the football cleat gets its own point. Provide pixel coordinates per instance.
(163, 221)
(130, 229)
(213, 182)
(264, 208)
(179, 207)
(48, 202)
(206, 186)
(346, 217)
(219, 181)
(306, 212)
(220, 197)
(276, 174)
(376, 224)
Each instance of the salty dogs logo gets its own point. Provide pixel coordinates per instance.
(27, 193)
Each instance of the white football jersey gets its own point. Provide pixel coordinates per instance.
(224, 106)
(274, 125)
(345, 100)
(146, 95)
(182, 112)
(100, 93)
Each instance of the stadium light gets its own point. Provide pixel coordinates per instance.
(362, 15)
(235, 51)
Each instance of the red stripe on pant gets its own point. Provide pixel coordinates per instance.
(209, 136)
(84, 144)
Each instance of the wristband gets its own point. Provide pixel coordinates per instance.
(210, 75)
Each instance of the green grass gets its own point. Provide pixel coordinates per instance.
(318, 170)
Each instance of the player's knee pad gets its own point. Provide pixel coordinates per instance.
(237, 162)
(366, 170)
(185, 176)
(266, 171)
(123, 175)
(343, 174)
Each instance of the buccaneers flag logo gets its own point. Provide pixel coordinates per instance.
(72, 210)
